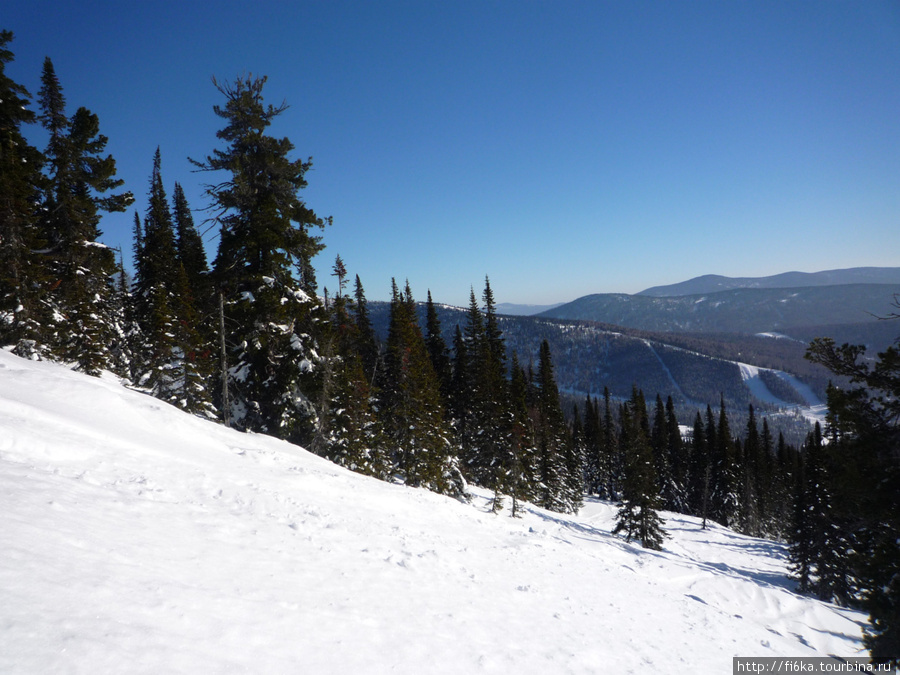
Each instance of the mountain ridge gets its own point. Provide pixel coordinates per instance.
(739, 310)
(712, 283)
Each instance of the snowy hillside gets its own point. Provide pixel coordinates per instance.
(138, 539)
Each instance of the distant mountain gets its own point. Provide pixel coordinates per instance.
(714, 283)
(512, 309)
(740, 310)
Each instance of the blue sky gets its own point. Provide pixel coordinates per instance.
(562, 148)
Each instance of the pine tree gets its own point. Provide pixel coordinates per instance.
(366, 342)
(865, 437)
(767, 492)
(459, 388)
(174, 364)
(493, 415)
(81, 266)
(551, 436)
(411, 405)
(638, 515)
(802, 535)
(264, 267)
(785, 475)
(575, 463)
(522, 483)
(679, 461)
(349, 432)
(467, 396)
(23, 273)
(355, 438)
(750, 520)
(725, 499)
(662, 458)
(192, 255)
(612, 466)
(592, 439)
(437, 349)
(701, 468)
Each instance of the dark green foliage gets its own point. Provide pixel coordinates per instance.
(437, 350)
(638, 515)
(819, 547)
(522, 477)
(81, 268)
(23, 273)
(725, 481)
(750, 518)
(349, 430)
(265, 226)
(558, 489)
(172, 356)
(701, 469)
(355, 439)
(662, 457)
(411, 406)
(264, 266)
(864, 449)
(191, 254)
(679, 463)
(366, 341)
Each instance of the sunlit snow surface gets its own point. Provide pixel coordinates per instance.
(138, 539)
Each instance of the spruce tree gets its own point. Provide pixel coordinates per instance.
(411, 406)
(263, 266)
(865, 440)
(366, 341)
(23, 273)
(662, 458)
(467, 396)
(725, 477)
(767, 480)
(437, 349)
(174, 362)
(349, 431)
(522, 483)
(701, 469)
(611, 466)
(81, 267)
(679, 461)
(494, 416)
(750, 520)
(192, 255)
(638, 515)
(552, 443)
(592, 440)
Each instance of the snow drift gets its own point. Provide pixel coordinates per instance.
(139, 539)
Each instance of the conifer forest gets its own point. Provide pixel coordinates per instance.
(249, 339)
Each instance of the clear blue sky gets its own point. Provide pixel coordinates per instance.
(562, 148)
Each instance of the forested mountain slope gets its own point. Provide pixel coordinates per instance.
(743, 310)
(713, 283)
(695, 369)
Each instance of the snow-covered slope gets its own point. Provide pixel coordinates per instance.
(138, 539)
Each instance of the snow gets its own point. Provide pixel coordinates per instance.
(814, 410)
(139, 539)
(778, 336)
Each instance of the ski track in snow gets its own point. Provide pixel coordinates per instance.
(139, 539)
(668, 372)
